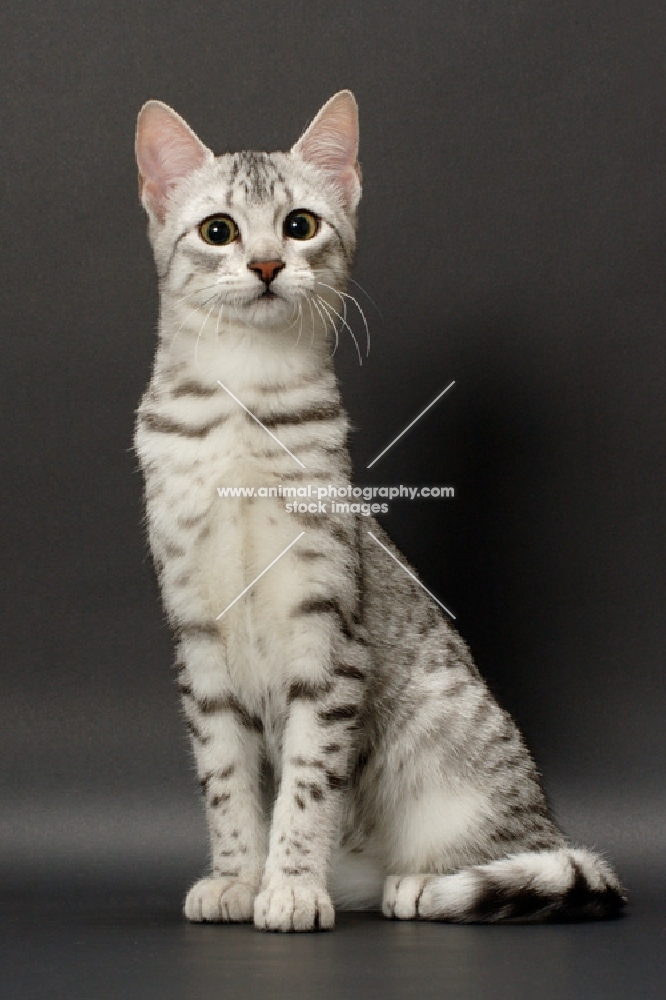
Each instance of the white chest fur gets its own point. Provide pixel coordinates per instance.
(215, 548)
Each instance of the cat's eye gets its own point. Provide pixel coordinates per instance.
(218, 230)
(301, 225)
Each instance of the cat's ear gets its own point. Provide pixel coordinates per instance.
(166, 151)
(331, 143)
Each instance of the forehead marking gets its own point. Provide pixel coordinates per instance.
(256, 175)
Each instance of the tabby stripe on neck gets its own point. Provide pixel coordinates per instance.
(269, 388)
(297, 475)
(165, 425)
(199, 630)
(192, 388)
(303, 416)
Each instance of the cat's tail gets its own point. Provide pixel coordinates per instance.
(536, 886)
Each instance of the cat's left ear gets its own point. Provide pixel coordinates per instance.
(330, 142)
(166, 151)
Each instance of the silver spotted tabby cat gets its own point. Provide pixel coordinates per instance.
(349, 752)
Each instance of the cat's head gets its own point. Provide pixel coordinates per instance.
(257, 233)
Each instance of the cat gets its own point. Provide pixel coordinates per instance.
(349, 751)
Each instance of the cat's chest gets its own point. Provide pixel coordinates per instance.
(225, 519)
(221, 517)
(228, 489)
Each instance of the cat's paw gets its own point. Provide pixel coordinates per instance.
(289, 905)
(402, 895)
(220, 900)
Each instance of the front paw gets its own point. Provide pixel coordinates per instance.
(220, 900)
(289, 905)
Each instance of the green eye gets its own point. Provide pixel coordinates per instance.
(218, 230)
(301, 225)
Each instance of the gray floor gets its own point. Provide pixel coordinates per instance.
(98, 940)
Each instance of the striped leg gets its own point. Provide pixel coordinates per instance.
(227, 744)
(317, 746)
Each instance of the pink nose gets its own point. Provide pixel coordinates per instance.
(266, 269)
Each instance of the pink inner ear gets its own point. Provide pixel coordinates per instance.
(331, 142)
(166, 150)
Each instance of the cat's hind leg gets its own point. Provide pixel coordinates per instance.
(479, 845)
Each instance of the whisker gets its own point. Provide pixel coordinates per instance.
(296, 307)
(312, 319)
(300, 322)
(239, 302)
(327, 305)
(316, 303)
(196, 291)
(196, 345)
(329, 309)
(217, 325)
(367, 295)
(344, 311)
(365, 322)
(346, 295)
(190, 313)
(333, 326)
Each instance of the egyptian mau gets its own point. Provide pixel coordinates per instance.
(348, 750)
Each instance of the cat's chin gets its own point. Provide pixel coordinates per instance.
(270, 311)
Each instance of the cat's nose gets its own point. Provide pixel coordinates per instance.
(266, 269)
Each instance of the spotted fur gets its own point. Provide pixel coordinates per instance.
(348, 750)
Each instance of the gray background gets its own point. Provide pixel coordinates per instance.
(513, 236)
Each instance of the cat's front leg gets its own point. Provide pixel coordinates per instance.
(318, 740)
(227, 740)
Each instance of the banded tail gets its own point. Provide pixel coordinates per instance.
(535, 886)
